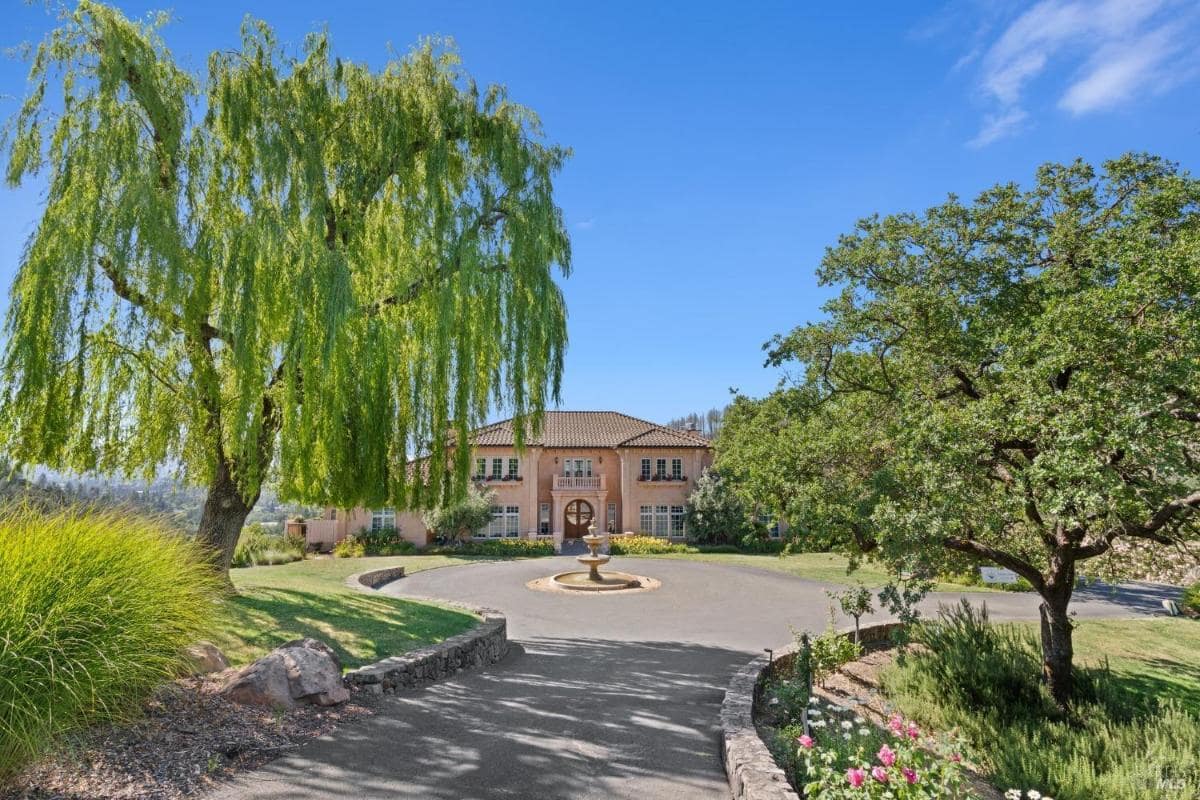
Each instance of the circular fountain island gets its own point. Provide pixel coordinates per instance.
(594, 580)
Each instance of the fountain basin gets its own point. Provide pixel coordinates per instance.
(583, 582)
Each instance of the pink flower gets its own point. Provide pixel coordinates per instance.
(910, 775)
(886, 756)
(955, 757)
(879, 774)
(913, 731)
(856, 777)
(896, 723)
(806, 742)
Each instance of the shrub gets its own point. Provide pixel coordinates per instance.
(384, 542)
(462, 519)
(500, 548)
(713, 513)
(350, 547)
(94, 610)
(646, 546)
(257, 547)
(829, 651)
(1118, 743)
(1191, 598)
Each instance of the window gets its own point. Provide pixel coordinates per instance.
(480, 468)
(513, 465)
(660, 468)
(772, 525)
(333, 513)
(506, 521)
(645, 469)
(661, 520)
(383, 518)
(497, 468)
(577, 467)
(646, 520)
(676, 469)
(544, 519)
(612, 517)
(677, 520)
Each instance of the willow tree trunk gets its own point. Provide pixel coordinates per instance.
(1057, 648)
(224, 514)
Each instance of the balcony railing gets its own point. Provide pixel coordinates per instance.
(592, 483)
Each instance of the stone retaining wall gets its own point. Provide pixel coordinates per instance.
(375, 578)
(749, 766)
(485, 644)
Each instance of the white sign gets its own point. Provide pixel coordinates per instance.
(997, 575)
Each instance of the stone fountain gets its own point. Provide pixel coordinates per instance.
(594, 580)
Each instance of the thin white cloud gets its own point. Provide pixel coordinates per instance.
(1119, 49)
(998, 126)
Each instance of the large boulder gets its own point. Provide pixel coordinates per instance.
(301, 671)
(204, 657)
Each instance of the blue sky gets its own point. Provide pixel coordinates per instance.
(720, 147)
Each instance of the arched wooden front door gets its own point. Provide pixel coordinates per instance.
(579, 515)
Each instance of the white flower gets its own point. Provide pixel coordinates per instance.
(1012, 794)
(847, 725)
(846, 736)
(814, 714)
(863, 731)
(819, 723)
(1033, 794)
(860, 721)
(812, 701)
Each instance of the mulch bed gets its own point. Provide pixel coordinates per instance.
(187, 740)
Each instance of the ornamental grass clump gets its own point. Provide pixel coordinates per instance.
(95, 607)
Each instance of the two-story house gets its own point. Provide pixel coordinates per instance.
(599, 468)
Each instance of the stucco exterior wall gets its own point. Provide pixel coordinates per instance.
(537, 469)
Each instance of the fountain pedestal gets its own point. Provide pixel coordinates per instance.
(594, 580)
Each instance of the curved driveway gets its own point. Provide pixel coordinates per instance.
(602, 695)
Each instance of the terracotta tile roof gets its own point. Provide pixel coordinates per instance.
(590, 429)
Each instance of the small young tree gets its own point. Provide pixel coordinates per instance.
(294, 264)
(855, 602)
(462, 519)
(714, 513)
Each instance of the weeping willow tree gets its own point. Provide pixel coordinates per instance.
(293, 267)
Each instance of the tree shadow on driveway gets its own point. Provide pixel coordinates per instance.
(558, 718)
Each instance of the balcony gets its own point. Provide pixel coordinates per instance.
(593, 483)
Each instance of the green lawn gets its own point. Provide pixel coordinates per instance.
(828, 567)
(309, 598)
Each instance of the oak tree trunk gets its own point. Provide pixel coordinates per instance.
(225, 512)
(1057, 648)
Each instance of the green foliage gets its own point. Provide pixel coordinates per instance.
(293, 262)
(463, 518)
(1011, 380)
(350, 547)
(94, 608)
(1191, 598)
(384, 542)
(498, 548)
(1121, 742)
(256, 547)
(713, 513)
(646, 546)
(855, 602)
(829, 651)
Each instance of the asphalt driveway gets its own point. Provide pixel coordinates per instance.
(602, 696)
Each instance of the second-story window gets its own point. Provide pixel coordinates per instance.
(481, 468)
(497, 468)
(513, 466)
(660, 468)
(676, 469)
(645, 469)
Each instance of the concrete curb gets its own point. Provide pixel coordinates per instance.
(485, 644)
(749, 766)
